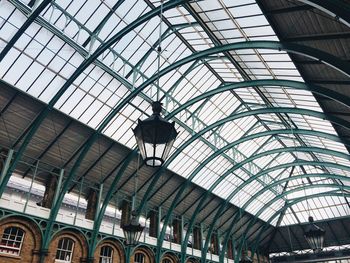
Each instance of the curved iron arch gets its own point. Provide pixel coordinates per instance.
(295, 201)
(244, 139)
(251, 179)
(42, 115)
(226, 201)
(311, 1)
(183, 146)
(258, 44)
(285, 83)
(337, 9)
(261, 191)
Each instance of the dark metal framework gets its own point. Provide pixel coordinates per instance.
(285, 134)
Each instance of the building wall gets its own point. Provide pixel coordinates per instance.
(30, 250)
(118, 252)
(31, 243)
(149, 256)
(80, 246)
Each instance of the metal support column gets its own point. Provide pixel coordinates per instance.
(7, 165)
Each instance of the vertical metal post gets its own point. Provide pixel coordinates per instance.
(159, 220)
(218, 241)
(60, 178)
(98, 205)
(133, 203)
(128, 254)
(233, 247)
(115, 214)
(31, 186)
(182, 229)
(7, 165)
(78, 203)
(171, 230)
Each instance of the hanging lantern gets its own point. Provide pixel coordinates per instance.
(132, 231)
(155, 136)
(245, 258)
(314, 236)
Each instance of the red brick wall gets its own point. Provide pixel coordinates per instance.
(170, 257)
(118, 254)
(31, 242)
(149, 257)
(79, 251)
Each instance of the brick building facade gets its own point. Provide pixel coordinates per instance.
(21, 243)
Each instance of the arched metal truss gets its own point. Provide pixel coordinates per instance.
(332, 7)
(271, 185)
(302, 176)
(210, 127)
(293, 202)
(244, 45)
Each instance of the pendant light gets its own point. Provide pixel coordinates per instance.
(155, 136)
(133, 230)
(314, 235)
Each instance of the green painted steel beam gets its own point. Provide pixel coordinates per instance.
(24, 27)
(272, 84)
(99, 27)
(335, 8)
(210, 127)
(6, 164)
(234, 221)
(99, 216)
(92, 139)
(81, 68)
(297, 177)
(295, 201)
(271, 185)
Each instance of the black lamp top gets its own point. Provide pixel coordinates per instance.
(311, 219)
(157, 107)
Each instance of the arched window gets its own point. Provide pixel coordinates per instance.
(11, 241)
(64, 252)
(106, 254)
(166, 260)
(139, 258)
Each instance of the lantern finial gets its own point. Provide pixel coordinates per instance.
(157, 107)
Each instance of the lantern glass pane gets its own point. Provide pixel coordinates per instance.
(160, 148)
(167, 149)
(149, 150)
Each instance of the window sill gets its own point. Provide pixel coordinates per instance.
(10, 256)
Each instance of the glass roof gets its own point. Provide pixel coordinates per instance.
(67, 32)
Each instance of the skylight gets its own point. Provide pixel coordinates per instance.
(68, 32)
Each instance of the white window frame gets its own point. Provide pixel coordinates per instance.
(65, 249)
(105, 258)
(12, 238)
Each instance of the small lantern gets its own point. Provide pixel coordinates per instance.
(245, 258)
(314, 236)
(155, 136)
(132, 231)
